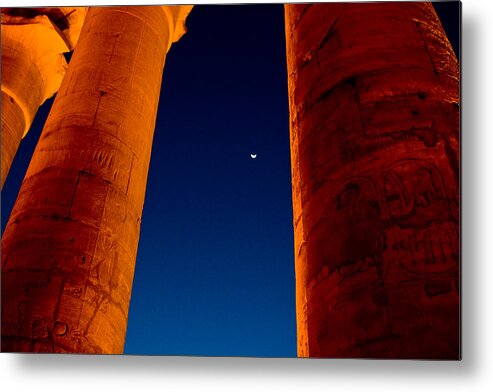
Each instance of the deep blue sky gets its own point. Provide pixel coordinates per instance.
(215, 271)
(215, 266)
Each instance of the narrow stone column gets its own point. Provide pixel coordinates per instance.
(374, 109)
(69, 248)
(33, 43)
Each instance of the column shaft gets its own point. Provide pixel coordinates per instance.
(69, 248)
(13, 126)
(374, 106)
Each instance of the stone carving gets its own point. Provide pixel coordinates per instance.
(425, 240)
(69, 249)
(375, 198)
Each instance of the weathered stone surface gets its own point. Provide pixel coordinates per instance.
(374, 107)
(33, 66)
(69, 248)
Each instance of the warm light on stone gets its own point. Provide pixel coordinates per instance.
(374, 107)
(69, 248)
(33, 66)
(374, 135)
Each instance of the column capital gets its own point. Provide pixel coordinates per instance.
(33, 43)
(176, 15)
(68, 20)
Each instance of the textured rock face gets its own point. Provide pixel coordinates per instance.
(33, 66)
(374, 107)
(69, 248)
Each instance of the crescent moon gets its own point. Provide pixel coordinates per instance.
(253, 156)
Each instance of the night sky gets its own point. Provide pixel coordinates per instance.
(215, 266)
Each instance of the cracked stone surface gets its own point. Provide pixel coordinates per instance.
(69, 248)
(374, 127)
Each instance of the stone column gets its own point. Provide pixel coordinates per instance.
(69, 248)
(374, 118)
(33, 65)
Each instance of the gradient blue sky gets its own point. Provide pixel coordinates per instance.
(215, 266)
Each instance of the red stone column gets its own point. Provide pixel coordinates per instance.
(69, 248)
(374, 108)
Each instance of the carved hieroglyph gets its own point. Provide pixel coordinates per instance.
(33, 66)
(374, 108)
(69, 248)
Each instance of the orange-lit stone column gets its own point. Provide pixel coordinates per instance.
(374, 106)
(33, 43)
(69, 248)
